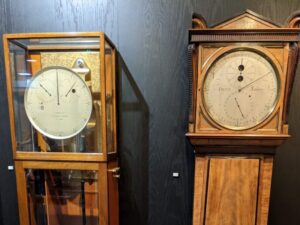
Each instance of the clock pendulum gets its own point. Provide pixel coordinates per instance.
(242, 72)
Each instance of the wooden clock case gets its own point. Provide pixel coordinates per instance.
(233, 168)
(58, 185)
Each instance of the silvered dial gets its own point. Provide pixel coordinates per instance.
(58, 102)
(240, 89)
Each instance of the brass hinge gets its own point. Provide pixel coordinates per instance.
(115, 172)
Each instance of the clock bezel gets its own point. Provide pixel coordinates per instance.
(214, 58)
(39, 73)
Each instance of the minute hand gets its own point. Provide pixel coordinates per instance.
(247, 85)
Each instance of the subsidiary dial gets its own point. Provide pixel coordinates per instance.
(238, 108)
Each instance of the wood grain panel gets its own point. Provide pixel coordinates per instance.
(64, 15)
(232, 191)
(21, 191)
(265, 178)
(201, 170)
(169, 198)
(113, 195)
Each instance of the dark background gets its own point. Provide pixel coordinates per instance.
(152, 38)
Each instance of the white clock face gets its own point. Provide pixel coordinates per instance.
(58, 102)
(240, 89)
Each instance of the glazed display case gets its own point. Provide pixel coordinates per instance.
(61, 91)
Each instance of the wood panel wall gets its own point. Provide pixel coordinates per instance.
(151, 36)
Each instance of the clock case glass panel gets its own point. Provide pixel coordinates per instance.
(83, 55)
(62, 196)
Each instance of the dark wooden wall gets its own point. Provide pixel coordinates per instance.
(151, 36)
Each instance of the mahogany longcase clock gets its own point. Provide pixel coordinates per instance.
(242, 73)
(61, 91)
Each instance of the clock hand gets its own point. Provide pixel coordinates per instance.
(238, 105)
(45, 90)
(70, 89)
(57, 89)
(247, 85)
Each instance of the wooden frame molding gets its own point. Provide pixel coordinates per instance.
(217, 174)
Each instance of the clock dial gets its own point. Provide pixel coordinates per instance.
(58, 102)
(240, 89)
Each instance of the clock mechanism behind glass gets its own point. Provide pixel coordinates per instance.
(62, 102)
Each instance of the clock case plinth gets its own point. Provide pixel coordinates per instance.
(233, 169)
(72, 180)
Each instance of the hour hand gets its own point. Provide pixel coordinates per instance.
(45, 90)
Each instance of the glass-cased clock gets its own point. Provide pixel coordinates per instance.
(62, 103)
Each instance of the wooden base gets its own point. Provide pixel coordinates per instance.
(232, 190)
(66, 193)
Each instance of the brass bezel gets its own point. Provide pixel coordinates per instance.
(220, 56)
(30, 118)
